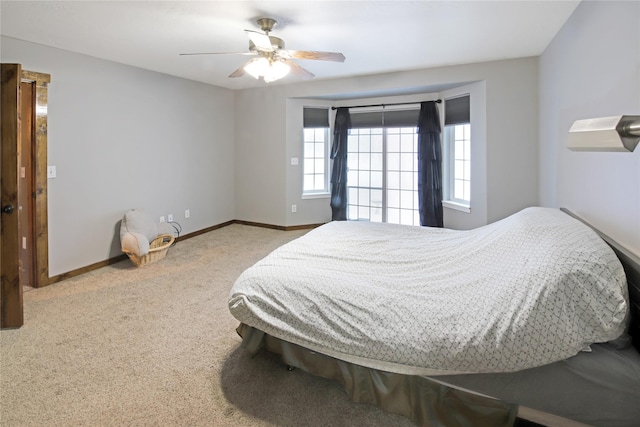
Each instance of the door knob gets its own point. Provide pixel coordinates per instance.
(7, 209)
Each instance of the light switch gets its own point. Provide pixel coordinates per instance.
(51, 171)
(294, 161)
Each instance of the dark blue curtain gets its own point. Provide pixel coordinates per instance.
(339, 171)
(429, 165)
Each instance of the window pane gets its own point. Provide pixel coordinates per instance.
(406, 217)
(364, 160)
(309, 134)
(393, 161)
(406, 180)
(352, 212)
(376, 162)
(406, 143)
(363, 212)
(365, 143)
(406, 199)
(376, 179)
(309, 150)
(393, 216)
(363, 178)
(459, 169)
(393, 143)
(459, 149)
(376, 215)
(376, 198)
(352, 144)
(363, 196)
(308, 183)
(393, 180)
(352, 178)
(308, 165)
(393, 198)
(352, 161)
(353, 195)
(458, 191)
(376, 143)
(406, 161)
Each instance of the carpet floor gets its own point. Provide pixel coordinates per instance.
(156, 346)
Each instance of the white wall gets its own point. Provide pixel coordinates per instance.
(122, 137)
(267, 184)
(592, 69)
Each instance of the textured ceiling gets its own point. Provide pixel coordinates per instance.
(375, 36)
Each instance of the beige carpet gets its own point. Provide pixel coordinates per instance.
(156, 346)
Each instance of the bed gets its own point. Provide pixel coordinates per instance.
(534, 316)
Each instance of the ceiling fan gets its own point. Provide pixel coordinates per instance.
(272, 61)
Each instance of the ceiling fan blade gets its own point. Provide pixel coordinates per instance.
(237, 73)
(218, 53)
(315, 55)
(240, 71)
(298, 71)
(261, 41)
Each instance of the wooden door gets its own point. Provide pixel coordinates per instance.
(11, 313)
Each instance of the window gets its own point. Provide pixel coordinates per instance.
(382, 181)
(459, 140)
(457, 151)
(315, 151)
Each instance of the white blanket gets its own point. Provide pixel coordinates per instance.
(531, 289)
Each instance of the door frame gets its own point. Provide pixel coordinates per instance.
(40, 187)
(11, 303)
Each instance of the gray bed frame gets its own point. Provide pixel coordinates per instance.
(429, 400)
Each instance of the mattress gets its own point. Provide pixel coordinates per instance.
(532, 289)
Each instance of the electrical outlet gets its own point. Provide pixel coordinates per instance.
(161, 219)
(170, 218)
(187, 213)
(294, 208)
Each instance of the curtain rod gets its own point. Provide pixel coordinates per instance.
(438, 101)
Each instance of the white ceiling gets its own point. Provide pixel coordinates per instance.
(375, 36)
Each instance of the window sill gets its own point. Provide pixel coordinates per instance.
(456, 206)
(316, 195)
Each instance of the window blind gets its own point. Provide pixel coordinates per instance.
(316, 117)
(387, 118)
(457, 111)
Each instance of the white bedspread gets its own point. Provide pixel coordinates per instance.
(534, 288)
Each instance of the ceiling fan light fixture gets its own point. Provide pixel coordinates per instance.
(270, 71)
